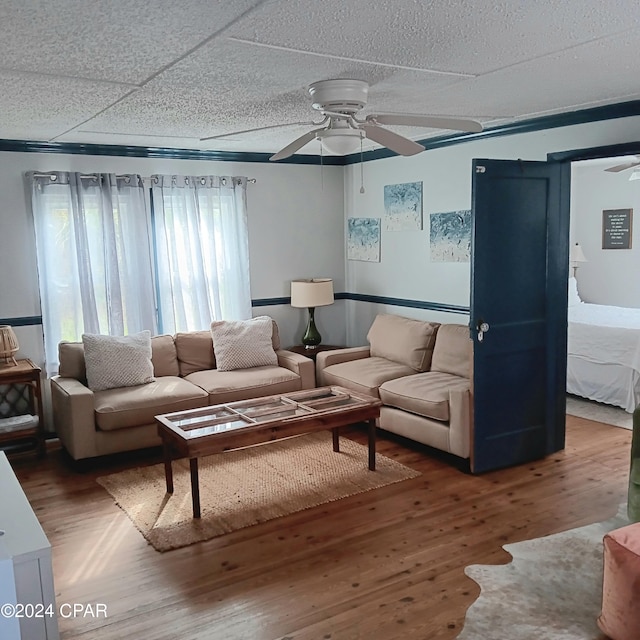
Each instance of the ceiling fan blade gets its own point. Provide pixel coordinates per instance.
(292, 147)
(430, 122)
(273, 126)
(391, 140)
(622, 167)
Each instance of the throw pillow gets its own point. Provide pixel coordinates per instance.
(243, 344)
(117, 361)
(403, 340)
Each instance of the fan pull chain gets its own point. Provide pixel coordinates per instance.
(361, 168)
(321, 167)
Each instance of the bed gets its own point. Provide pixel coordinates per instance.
(603, 345)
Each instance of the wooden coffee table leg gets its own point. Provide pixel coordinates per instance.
(372, 445)
(168, 471)
(195, 487)
(335, 432)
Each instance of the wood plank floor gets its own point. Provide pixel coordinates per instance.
(387, 564)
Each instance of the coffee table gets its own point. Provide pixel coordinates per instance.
(218, 428)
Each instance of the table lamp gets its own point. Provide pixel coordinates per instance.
(316, 292)
(576, 256)
(8, 344)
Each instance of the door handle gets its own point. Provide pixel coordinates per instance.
(483, 327)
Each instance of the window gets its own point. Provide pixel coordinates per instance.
(105, 266)
(202, 250)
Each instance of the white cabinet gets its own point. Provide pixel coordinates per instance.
(26, 545)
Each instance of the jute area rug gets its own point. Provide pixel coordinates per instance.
(551, 590)
(247, 486)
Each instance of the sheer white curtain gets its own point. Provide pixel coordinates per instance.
(202, 250)
(94, 256)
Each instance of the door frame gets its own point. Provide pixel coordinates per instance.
(592, 153)
(565, 158)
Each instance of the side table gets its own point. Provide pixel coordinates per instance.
(312, 352)
(13, 429)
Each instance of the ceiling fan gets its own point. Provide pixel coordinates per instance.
(341, 132)
(624, 166)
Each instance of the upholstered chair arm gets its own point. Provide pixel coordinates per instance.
(300, 365)
(460, 422)
(325, 359)
(73, 416)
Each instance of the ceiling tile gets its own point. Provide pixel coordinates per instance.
(36, 107)
(107, 39)
(602, 72)
(444, 35)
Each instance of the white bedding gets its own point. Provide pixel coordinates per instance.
(603, 361)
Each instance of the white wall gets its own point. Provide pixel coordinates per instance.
(610, 276)
(297, 219)
(295, 230)
(405, 270)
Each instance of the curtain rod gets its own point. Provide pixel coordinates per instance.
(91, 175)
(53, 173)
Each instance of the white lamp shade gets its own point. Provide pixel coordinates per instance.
(315, 292)
(576, 254)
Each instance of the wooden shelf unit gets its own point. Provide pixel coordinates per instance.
(27, 375)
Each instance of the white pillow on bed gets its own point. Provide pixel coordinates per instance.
(574, 296)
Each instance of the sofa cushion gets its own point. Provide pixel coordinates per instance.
(164, 356)
(136, 406)
(403, 340)
(243, 344)
(425, 394)
(364, 375)
(117, 361)
(242, 384)
(275, 338)
(195, 351)
(71, 357)
(453, 350)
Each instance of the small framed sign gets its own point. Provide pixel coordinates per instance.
(616, 228)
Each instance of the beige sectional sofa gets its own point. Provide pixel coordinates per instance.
(422, 372)
(94, 423)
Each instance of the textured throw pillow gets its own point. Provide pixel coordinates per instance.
(243, 344)
(118, 361)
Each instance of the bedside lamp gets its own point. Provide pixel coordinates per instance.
(576, 256)
(316, 292)
(8, 344)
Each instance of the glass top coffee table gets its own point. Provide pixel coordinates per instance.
(218, 428)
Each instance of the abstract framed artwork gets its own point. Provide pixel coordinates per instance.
(450, 236)
(363, 239)
(403, 207)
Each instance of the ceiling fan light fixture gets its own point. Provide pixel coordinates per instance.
(339, 100)
(342, 142)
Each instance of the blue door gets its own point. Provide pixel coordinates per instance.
(518, 322)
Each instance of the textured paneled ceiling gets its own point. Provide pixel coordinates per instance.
(165, 74)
